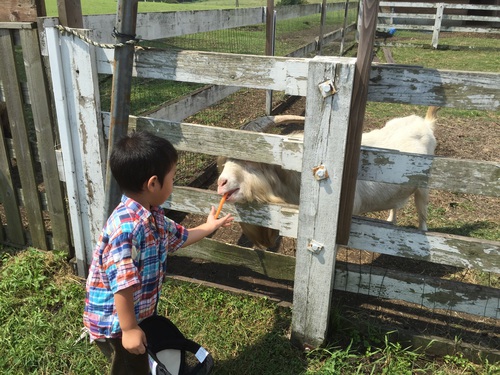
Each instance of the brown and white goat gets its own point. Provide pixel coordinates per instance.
(257, 182)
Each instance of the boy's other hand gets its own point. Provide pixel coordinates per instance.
(134, 340)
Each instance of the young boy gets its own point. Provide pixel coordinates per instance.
(129, 261)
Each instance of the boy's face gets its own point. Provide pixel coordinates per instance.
(168, 186)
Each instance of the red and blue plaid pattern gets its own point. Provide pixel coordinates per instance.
(131, 252)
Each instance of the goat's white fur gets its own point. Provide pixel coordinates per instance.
(264, 183)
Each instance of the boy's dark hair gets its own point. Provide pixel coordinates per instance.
(139, 156)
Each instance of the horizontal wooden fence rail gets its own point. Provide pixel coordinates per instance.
(427, 291)
(388, 83)
(456, 175)
(366, 234)
(429, 17)
(463, 176)
(240, 144)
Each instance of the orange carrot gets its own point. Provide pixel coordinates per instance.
(222, 200)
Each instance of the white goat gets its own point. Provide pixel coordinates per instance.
(249, 181)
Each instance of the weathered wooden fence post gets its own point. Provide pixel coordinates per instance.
(70, 13)
(126, 20)
(270, 44)
(344, 25)
(14, 232)
(437, 24)
(322, 27)
(324, 147)
(20, 136)
(43, 119)
(77, 103)
(367, 26)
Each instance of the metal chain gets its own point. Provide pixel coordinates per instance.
(97, 44)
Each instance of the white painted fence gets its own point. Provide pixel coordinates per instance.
(75, 65)
(436, 19)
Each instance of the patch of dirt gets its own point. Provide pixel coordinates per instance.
(467, 138)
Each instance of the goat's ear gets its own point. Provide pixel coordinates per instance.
(221, 162)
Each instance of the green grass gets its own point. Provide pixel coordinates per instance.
(41, 308)
(479, 61)
(146, 94)
(110, 6)
(478, 52)
(385, 111)
(40, 317)
(446, 39)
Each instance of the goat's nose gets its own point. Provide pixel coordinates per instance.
(220, 187)
(222, 181)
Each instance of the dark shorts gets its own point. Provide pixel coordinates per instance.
(122, 361)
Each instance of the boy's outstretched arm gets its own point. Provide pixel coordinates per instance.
(133, 337)
(210, 226)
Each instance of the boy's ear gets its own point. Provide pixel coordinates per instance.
(152, 183)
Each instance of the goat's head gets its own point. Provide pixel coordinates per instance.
(247, 181)
(256, 182)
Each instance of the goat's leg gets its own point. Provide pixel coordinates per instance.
(421, 202)
(392, 216)
(261, 237)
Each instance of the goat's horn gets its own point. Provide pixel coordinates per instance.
(284, 119)
(261, 124)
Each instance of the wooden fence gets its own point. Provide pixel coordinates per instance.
(314, 273)
(75, 66)
(35, 204)
(439, 17)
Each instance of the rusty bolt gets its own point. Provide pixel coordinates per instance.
(314, 247)
(320, 172)
(327, 88)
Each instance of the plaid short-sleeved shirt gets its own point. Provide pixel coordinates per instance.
(131, 252)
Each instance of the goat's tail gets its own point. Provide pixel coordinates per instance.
(431, 115)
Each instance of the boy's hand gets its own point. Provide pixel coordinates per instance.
(134, 340)
(224, 221)
(203, 230)
(133, 337)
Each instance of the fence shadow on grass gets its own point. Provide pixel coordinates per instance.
(467, 229)
(230, 277)
(272, 354)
